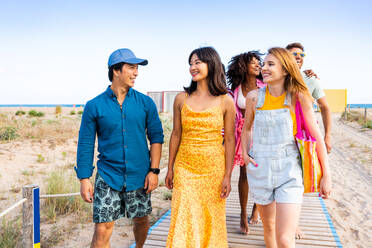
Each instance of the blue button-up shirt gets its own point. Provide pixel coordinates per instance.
(124, 157)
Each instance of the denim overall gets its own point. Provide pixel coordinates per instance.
(278, 176)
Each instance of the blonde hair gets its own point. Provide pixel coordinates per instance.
(293, 82)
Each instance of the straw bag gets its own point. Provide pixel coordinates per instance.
(311, 169)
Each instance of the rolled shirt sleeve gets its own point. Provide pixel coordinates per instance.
(318, 92)
(313, 84)
(153, 123)
(87, 138)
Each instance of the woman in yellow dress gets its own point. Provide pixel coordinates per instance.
(199, 169)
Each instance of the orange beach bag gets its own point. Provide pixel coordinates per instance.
(311, 169)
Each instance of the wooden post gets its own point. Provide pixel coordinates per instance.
(28, 216)
(365, 116)
(345, 113)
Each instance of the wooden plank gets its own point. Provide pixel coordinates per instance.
(313, 222)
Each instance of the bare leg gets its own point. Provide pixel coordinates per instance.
(243, 198)
(254, 216)
(102, 235)
(267, 213)
(140, 229)
(287, 216)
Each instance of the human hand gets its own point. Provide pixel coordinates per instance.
(226, 187)
(310, 73)
(325, 187)
(86, 190)
(151, 182)
(169, 179)
(327, 141)
(248, 159)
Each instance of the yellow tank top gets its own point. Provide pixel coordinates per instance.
(272, 102)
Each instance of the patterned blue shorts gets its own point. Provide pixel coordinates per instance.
(110, 205)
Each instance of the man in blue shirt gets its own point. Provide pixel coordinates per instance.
(127, 171)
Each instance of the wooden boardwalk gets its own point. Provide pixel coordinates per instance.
(315, 224)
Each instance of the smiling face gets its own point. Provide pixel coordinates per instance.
(254, 67)
(298, 57)
(198, 69)
(127, 76)
(273, 71)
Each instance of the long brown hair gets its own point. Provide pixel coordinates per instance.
(216, 71)
(293, 82)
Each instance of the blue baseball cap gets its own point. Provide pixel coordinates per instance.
(125, 55)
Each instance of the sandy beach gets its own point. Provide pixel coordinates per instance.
(30, 160)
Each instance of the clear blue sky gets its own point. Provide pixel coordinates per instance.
(57, 51)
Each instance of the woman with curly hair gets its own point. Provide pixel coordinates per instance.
(243, 76)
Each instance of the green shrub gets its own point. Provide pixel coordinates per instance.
(20, 112)
(10, 233)
(72, 112)
(8, 133)
(368, 124)
(80, 112)
(40, 114)
(34, 113)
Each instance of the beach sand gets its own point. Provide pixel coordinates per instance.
(349, 204)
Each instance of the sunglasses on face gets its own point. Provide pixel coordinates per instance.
(297, 53)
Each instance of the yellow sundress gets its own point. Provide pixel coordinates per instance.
(198, 216)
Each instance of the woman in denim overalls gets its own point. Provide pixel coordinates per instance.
(273, 163)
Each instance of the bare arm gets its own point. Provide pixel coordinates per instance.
(175, 138)
(250, 109)
(151, 181)
(229, 130)
(325, 184)
(229, 126)
(327, 121)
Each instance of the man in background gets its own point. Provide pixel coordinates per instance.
(316, 91)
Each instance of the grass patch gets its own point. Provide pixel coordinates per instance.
(40, 158)
(10, 233)
(167, 195)
(8, 133)
(352, 145)
(72, 112)
(63, 181)
(355, 116)
(28, 173)
(52, 238)
(80, 112)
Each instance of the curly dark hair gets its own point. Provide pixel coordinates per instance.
(237, 69)
(216, 71)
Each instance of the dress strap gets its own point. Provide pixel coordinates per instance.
(184, 100)
(288, 99)
(261, 97)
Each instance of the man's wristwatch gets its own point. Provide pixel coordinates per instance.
(156, 171)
